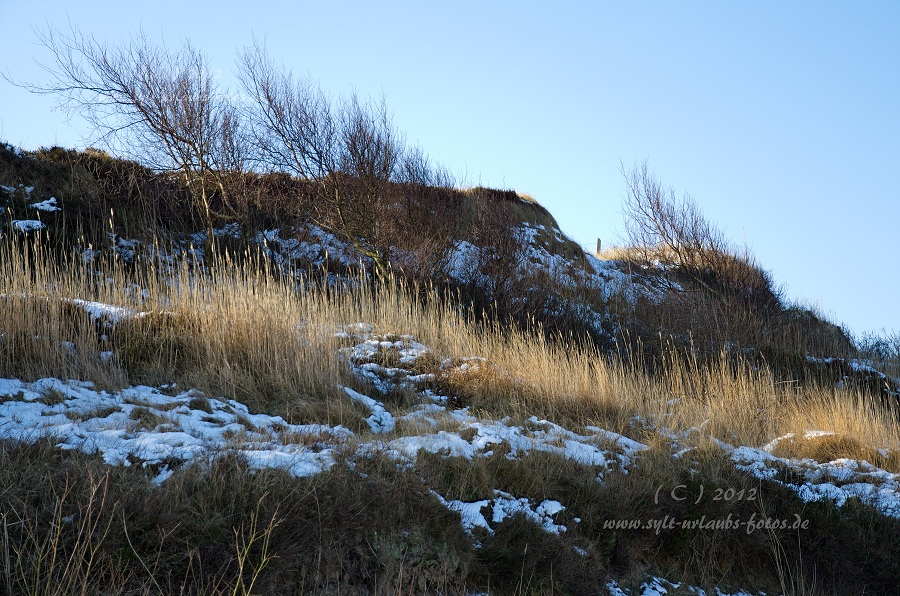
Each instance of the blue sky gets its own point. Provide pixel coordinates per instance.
(781, 119)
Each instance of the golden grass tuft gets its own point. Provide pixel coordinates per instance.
(636, 255)
(618, 253)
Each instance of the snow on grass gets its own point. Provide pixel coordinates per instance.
(27, 225)
(229, 230)
(145, 426)
(97, 311)
(316, 248)
(462, 262)
(862, 368)
(369, 358)
(469, 513)
(141, 425)
(604, 276)
(501, 507)
(810, 434)
(471, 437)
(48, 205)
(629, 447)
(106, 312)
(657, 586)
(581, 271)
(835, 481)
(89, 255)
(125, 248)
(535, 436)
(381, 421)
(598, 448)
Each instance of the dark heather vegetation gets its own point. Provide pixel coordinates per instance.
(193, 215)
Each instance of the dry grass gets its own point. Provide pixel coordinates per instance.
(635, 255)
(863, 429)
(246, 333)
(519, 208)
(830, 447)
(72, 525)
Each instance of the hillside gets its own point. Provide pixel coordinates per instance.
(254, 403)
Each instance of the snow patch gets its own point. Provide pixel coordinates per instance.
(657, 586)
(107, 312)
(381, 421)
(835, 481)
(48, 205)
(140, 425)
(27, 225)
(502, 507)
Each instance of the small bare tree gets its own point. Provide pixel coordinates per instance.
(349, 148)
(162, 108)
(675, 231)
(665, 228)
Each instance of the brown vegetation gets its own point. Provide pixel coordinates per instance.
(723, 300)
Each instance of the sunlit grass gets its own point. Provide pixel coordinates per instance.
(246, 332)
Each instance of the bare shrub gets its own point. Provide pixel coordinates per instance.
(349, 149)
(367, 181)
(162, 107)
(165, 109)
(726, 299)
(883, 349)
(674, 232)
(499, 256)
(428, 212)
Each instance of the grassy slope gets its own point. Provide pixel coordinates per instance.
(368, 524)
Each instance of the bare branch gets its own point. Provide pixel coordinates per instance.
(159, 107)
(675, 232)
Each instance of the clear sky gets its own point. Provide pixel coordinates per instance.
(781, 119)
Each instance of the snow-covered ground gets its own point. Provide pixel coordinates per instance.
(47, 205)
(146, 426)
(657, 586)
(161, 428)
(604, 276)
(835, 481)
(311, 245)
(27, 225)
(502, 506)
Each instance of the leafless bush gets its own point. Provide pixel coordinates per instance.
(167, 110)
(348, 147)
(728, 299)
(883, 346)
(492, 266)
(163, 108)
(675, 232)
(665, 228)
(428, 212)
(883, 349)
